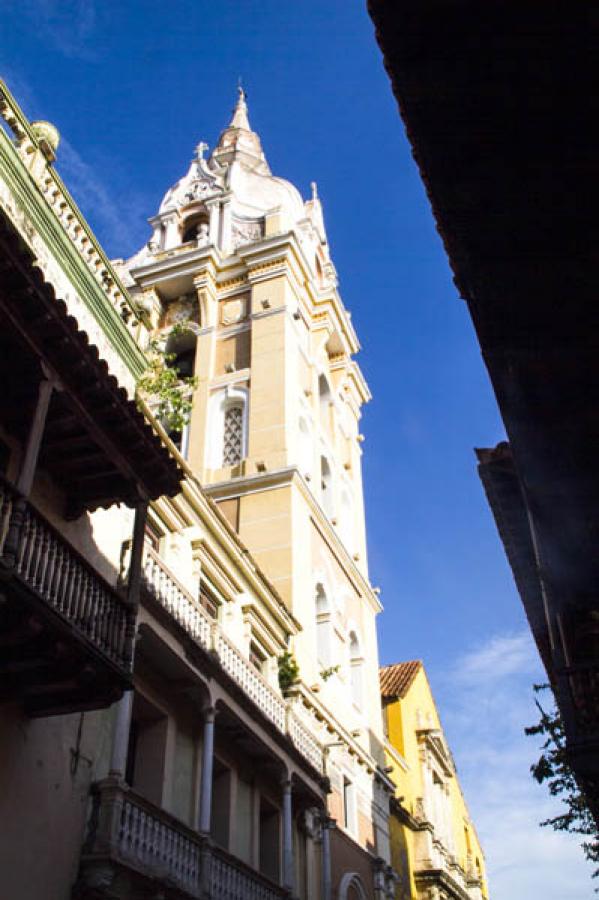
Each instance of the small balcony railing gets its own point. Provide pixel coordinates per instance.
(38, 561)
(231, 879)
(129, 831)
(166, 590)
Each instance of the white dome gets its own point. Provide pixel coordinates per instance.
(222, 200)
(255, 194)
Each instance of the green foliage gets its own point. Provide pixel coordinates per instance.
(553, 769)
(327, 673)
(162, 385)
(288, 670)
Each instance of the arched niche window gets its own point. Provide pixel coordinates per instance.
(181, 347)
(356, 665)
(346, 519)
(325, 398)
(196, 228)
(351, 887)
(324, 628)
(319, 271)
(326, 487)
(304, 447)
(228, 422)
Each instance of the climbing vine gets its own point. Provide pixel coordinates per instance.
(169, 393)
(553, 769)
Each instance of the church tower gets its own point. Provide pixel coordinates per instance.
(242, 263)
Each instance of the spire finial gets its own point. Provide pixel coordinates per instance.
(240, 113)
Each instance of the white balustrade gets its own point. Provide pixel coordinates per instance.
(175, 599)
(230, 880)
(148, 838)
(302, 738)
(129, 831)
(256, 687)
(164, 587)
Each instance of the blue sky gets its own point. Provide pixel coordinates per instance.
(133, 86)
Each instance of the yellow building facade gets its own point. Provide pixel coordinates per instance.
(434, 846)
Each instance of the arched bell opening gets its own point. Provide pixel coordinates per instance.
(195, 228)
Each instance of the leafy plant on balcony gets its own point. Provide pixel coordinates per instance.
(169, 393)
(288, 670)
(328, 673)
(553, 769)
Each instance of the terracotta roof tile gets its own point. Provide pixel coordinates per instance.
(396, 679)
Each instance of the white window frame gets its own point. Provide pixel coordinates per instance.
(220, 401)
(356, 667)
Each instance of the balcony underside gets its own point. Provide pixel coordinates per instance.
(97, 446)
(45, 663)
(66, 635)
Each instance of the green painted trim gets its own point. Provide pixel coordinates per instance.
(35, 207)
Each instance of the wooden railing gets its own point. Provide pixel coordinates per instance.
(35, 553)
(129, 830)
(164, 587)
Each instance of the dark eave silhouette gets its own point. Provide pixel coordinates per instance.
(500, 107)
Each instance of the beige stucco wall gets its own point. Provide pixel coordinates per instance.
(46, 769)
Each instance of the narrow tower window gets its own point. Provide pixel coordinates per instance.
(325, 399)
(356, 662)
(349, 805)
(323, 628)
(233, 435)
(326, 486)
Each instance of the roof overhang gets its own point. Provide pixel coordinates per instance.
(498, 108)
(97, 444)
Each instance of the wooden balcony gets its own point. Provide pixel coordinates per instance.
(134, 848)
(66, 636)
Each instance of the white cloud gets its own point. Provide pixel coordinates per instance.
(91, 194)
(67, 24)
(486, 702)
(501, 656)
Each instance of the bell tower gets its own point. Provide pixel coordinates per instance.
(242, 262)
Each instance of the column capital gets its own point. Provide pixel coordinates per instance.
(209, 713)
(327, 821)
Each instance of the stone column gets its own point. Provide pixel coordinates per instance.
(288, 878)
(207, 771)
(172, 237)
(120, 739)
(225, 226)
(120, 742)
(327, 824)
(213, 210)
